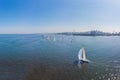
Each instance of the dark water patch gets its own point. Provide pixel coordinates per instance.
(53, 72)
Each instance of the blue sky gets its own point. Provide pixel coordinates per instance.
(36, 16)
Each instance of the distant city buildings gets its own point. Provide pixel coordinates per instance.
(91, 33)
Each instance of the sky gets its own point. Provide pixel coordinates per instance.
(41, 16)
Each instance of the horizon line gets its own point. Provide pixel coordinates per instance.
(60, 32)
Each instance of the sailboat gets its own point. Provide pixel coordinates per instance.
(82, 56)
(54, 39)
(48, 37)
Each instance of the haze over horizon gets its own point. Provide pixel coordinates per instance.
(40, 16)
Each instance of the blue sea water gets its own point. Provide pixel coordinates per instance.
(37, 57)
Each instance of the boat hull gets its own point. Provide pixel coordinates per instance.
(83, 61)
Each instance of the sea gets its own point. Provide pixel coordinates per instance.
(55, 57)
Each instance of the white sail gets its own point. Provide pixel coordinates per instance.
(54, 39)
(80, 55)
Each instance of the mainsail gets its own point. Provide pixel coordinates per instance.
(80, 54)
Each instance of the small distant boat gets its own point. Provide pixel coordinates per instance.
(48, 37)
(82, 56)
(54, 39)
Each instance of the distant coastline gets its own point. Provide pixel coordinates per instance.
(87, 33)
(90, 33)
